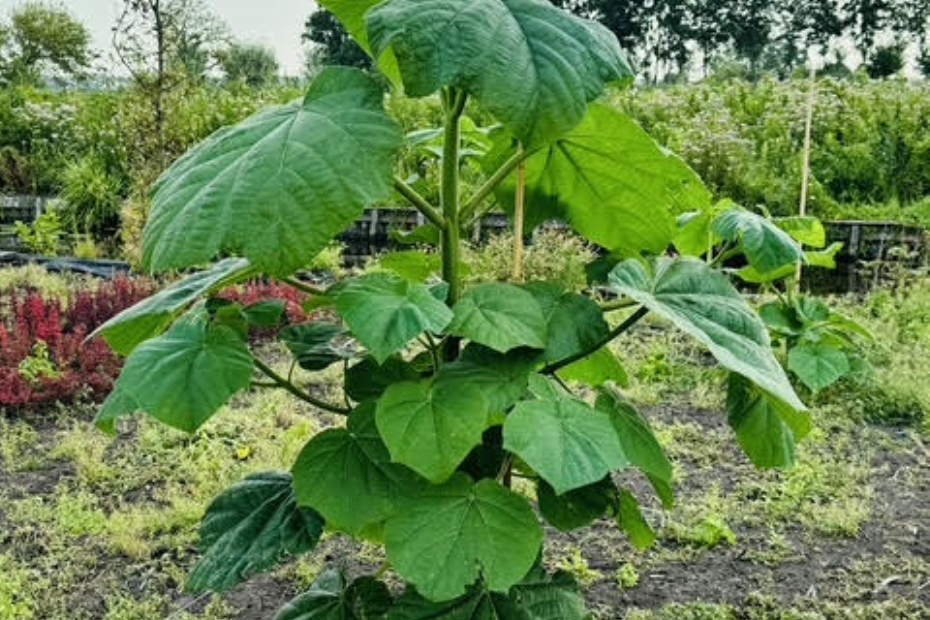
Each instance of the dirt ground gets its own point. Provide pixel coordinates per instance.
(846, 535)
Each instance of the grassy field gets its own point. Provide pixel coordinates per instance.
(98, 528)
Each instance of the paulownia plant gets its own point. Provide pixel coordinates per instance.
(451, 393)
(821, 345)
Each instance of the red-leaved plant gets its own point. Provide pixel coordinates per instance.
(54, 335)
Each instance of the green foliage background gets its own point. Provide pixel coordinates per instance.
(871, 156)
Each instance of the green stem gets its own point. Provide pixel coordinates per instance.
(725, 254)
(632, 320)
(418, 201)
(434, 350)
(496, 179)
(284, 384)
(617, 304)
(304, 287)
(449, 196)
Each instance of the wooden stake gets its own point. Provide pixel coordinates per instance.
(808, 130)
(519, 212)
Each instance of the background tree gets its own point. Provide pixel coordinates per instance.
(333, 46)
(887, 61)
(748, 24)
(866, 19)
(43, 38)
(254, 65)
(163, 43)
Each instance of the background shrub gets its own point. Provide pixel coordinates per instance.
(44, 355)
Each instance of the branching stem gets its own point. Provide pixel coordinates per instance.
(632, 320)
(472, 204)
(422, 204)
(284, 384)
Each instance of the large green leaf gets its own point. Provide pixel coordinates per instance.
(352, 15)
(766, 246)
(117, 405)
(278, 186)
(596, 369)
(538, 597)
(477, 604)
(347, 475)
(534, 67)
(248, 528)
(825, 258)
(703, 303)
(806, 230)
(499, 316)
(331, 598)
(640, 445)
(631, 520)
(610, 181)
(565, 441)
(443, 540)
(368, 379)
(431, 426)
(184, 376)
(818, 365)
(150, 317)
(502, 377)
(695, 235)
(572, 445)
(766, 428)
(546, 597)
(574, 323)
(316, 345)
(386, 312)
(576, 508)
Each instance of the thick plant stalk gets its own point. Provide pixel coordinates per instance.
(449, 199)
(806, 166)
(519, 217)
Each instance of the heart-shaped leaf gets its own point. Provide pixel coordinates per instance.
(278, 186)
(818, 365)
(502, 377)
(577, 508)
(765, 427)
(609, 180)
(386, 312)
(431, 426)
(184, 376)
(533, 66)
(766, 246)
(574, 323)
(367, 380)
(565, 441)
(331, 598)
(443, 540)
(596, 369)
(248, 528)
(316, 345)
(499, 316)
(703, 303)
(348, 477)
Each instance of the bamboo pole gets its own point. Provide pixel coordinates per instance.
(806, 166)
(519, 217)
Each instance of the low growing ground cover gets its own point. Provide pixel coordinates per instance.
(96, 528)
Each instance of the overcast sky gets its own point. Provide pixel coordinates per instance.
(274, 23)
